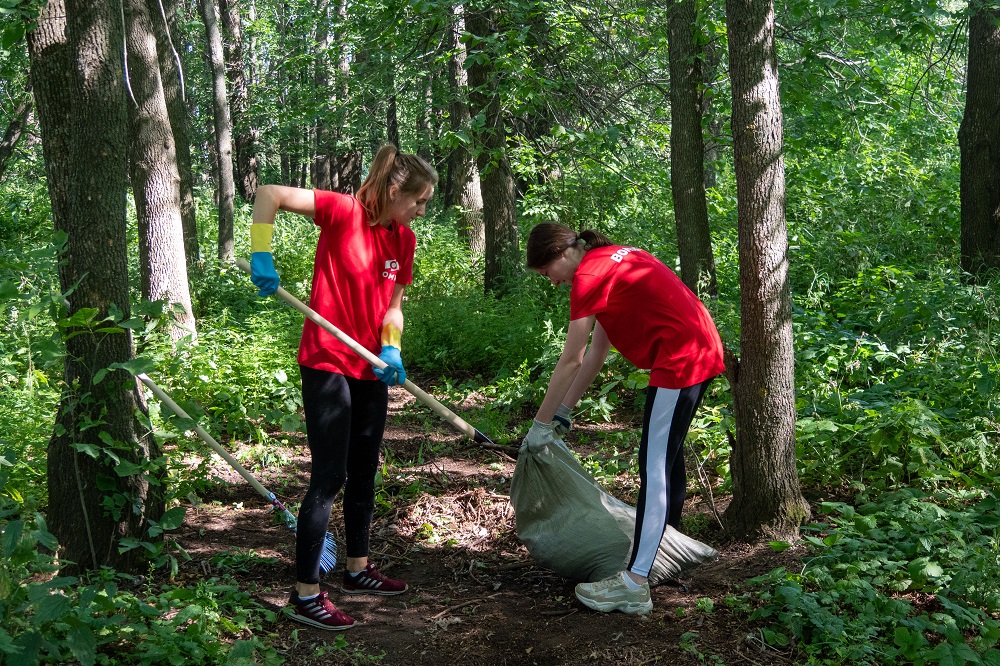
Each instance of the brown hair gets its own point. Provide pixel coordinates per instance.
(408, 172)
(548, 240)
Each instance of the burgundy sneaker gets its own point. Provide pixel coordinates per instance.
(370, 581)
(319, 612)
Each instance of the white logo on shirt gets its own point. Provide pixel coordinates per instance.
(391, 268)
(620, 254)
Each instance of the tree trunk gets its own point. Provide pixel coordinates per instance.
(767, 501)
(154, 174)
(687, 152)
(223, 131)
(497, 179)
(164, 17)
(979, 141)
(14, 129)
(462, 187)
(324, 170)
(244, 142)
(95, 495)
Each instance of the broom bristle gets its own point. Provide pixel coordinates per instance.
(328, 558)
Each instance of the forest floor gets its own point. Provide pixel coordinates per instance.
(444, 523)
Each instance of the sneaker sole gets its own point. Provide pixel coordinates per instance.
(317, 624)
(628, 607)
(382, 593)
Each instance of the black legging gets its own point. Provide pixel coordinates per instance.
(345, 418)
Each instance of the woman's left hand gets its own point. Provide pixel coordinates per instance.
(393, 373)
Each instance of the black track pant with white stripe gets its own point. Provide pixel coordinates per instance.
(345, 419)
(663, 480)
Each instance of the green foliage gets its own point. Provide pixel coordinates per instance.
(845, 605)
(109, 619)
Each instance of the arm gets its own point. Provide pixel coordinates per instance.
(567, 368)
(272, 198)
(392, 328)
(393, 317)
(269, 200)
(592, 364)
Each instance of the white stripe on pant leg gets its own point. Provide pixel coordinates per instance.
(654, 518)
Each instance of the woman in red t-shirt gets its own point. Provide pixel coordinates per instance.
(623, 296)
(364, 259)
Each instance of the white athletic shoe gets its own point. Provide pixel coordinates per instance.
(611, 594)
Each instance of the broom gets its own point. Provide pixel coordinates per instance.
(427, 399)
(328, 557)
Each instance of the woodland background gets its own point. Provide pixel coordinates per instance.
(824, 174)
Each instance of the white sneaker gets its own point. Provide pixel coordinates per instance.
(612, 594)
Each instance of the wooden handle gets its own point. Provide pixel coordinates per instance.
(451, 417)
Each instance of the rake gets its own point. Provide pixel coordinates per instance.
(451, 417)
(328, 557)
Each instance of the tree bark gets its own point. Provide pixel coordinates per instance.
(164, 17)
(497, 178)
(767, 501)
(223, 131)
(155, 177)
(979, 141)
(687, 152)
(462, 187)
(76, 72)
(324, 172)
(237, 73)
(14, 130)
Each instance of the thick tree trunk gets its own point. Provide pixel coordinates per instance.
(154, 174)
(687, 152)
(767, 501)
(14, 130)
(76, 72)
(462, 187)
(979, 141)
(164, 17)
(497, 179)
(223, 131)
(237, 72)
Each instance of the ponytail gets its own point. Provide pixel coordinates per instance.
(548, 240)
(409, 173)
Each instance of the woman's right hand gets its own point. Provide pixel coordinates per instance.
(263, 274)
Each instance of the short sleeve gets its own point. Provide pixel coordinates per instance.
(334, 207)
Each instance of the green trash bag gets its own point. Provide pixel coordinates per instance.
(571, 526)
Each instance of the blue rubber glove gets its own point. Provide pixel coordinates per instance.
(393, 372)
(262, 273)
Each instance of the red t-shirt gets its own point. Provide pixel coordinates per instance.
(356, 268)
(650, 316)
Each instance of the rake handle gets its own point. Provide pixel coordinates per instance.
(208, 439)
(451, 417)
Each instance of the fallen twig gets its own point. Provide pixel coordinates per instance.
(463, 605)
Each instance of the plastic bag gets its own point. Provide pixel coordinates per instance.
(570, 525)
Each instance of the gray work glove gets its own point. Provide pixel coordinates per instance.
(539, 436)
(562, 422)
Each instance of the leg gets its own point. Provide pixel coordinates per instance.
(327, 402)
(663, 481)
(370, 401)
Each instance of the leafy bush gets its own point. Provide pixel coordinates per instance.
(109, 619)
(905, 578)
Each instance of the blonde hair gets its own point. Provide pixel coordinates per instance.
(409, 173)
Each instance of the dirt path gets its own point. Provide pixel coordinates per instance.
(444, 524)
